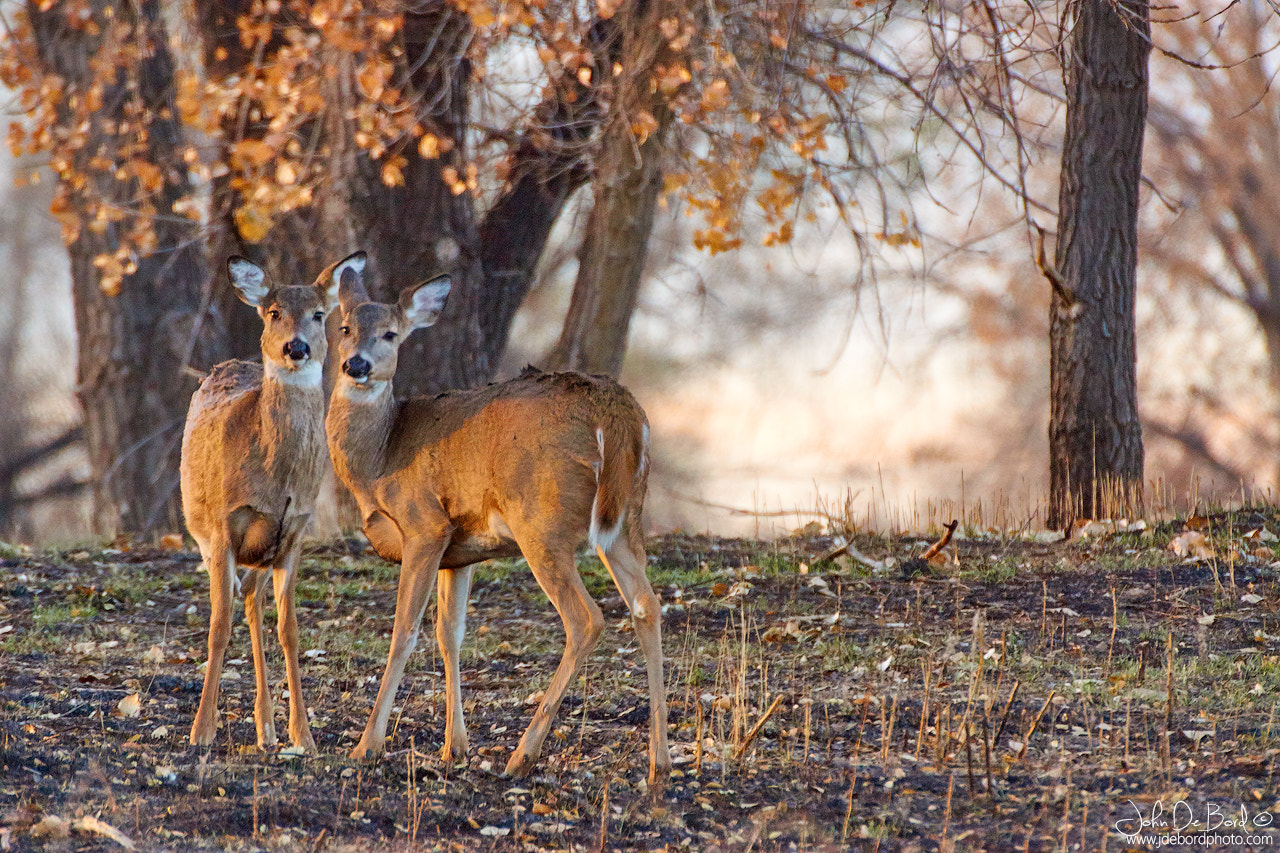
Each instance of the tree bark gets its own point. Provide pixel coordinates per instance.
(135, 346)
(1095, 436)
(628, 179)
(611, 261)
(421, 228)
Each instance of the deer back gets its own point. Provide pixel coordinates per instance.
(562, 454)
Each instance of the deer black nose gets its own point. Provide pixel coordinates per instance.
(297, 349)
(357, 367)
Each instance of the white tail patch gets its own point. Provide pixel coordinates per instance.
(602, 538)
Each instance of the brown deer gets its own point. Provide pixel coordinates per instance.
(252, 464)
(531, 467)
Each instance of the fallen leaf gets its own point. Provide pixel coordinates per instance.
(51, 826)
(94, 825)
(130, 706)
(1193, 543)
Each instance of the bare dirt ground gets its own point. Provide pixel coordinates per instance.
(1014, 695)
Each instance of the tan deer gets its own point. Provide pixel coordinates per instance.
(532, 466)
(252, 463)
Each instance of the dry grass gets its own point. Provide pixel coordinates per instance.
(1032, 692)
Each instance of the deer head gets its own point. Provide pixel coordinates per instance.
(372, 332)
(294, 345)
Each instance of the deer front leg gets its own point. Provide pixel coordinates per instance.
(417, 574)
(285, 577)
(451, 625)
(263, 711)
(221, 565)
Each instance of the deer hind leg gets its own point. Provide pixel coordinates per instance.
(417, 574)
(285, 577)
(452, 589)
(220, 563)
(558, 576)
(263, 714)
(625, 561)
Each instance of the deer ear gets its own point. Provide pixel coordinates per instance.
(423, 303)
(248, 279)
(346, 285)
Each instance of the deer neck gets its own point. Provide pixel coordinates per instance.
(290, 415)
(359, 428)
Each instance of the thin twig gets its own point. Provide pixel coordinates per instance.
(755, 730)
(941, 543)
(1035, 723)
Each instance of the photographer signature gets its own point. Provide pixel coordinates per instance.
(1184, 817)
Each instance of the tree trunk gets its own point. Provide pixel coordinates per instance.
(423, 227)
(629, 173)
(611, 262)
(135, 345)
(1095, 437)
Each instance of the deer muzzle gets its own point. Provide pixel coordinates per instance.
(357, 367)
(297, 349)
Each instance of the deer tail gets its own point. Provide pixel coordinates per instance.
(620, 475)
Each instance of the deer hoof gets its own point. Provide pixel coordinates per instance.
(519, 766)
(203, 735)
(363, 752)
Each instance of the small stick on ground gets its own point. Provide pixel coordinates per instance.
(1004, 715)
(1026, 741)
(854, 554)
(755, 730)
(968, 754)
(941, 543)
(604, 817)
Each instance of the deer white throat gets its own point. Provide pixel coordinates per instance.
(309, 375)
(364, 391)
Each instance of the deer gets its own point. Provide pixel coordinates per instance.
(253, 459)
(530, 467)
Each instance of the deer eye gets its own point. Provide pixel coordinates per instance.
(274, 313)
(346, 330)
(389, 336)
(318, 316)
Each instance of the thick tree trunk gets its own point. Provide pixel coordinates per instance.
(628, 180)
(1095, 437)
(421, 228)
(611, 261)
(135, 346)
